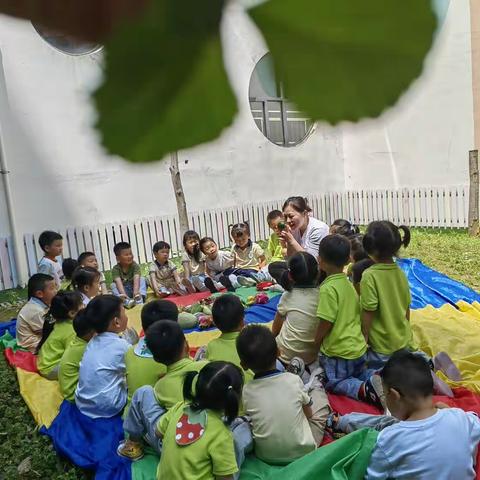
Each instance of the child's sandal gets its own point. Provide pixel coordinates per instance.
(131, 450)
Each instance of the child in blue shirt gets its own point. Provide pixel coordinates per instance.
(422, 441)
(102, 387)
(52, 245)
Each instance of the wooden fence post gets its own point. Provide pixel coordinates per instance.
(473, 205)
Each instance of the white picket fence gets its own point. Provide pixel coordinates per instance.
(416, 207)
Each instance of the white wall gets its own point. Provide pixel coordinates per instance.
(425, 139)
(60, 175)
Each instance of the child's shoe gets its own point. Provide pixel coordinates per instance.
(296, 366)
(440, 387)
(138, 299)
(129, 303)
(372, 392)
(442, 361)
(210, 285)
(331, 427)
(226, 282)
(246, 281)
(131, 450)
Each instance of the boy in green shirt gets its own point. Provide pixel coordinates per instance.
(228, 316)
(70, 362)
(142, 369)
(275, 252)
(167, 342)
(339, 334)
(127, 280)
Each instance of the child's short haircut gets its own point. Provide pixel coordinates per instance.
(273, 215)
(359, 267)
(158, 310)
(38, 282)
(119, 247)
(166, 341)
(102, 310)
(383, 239)
(160, 246)
(257, 348)
(357, 252)
(205, 240)
(335, 250)
(240, 229)
(83, 256)
(47, 237)
(409, 374)
(81, 325)
(228, 312)
(68, 267)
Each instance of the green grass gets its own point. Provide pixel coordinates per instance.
(452, 252)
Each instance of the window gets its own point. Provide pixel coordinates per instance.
(277, 118)
(64, 43)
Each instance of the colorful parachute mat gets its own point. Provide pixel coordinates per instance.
(445, 317)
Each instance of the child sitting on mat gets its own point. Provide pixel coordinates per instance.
(142, 369)
(193, 261)
(41, 290)
(228, 315)
(287, 420)
(385, 294)
(344, 227)
(339, 334)
(422, 440)
(128, 282)
(296, 322)
(197, 441)
(89, 259)
(163, 277)
(248, 257)
(57, 332)
(102, 388)
(166, 341)
(52, 245)
(70, 362)
(218, 264)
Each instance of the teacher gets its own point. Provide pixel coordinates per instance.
(302, 233)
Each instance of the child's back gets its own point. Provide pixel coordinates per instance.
(212, 453)
(52, 350)
(297, 336)
(30, 324)
(142, 369)
(439, 447)
(384, 289)
(275, 402)
(69, 368)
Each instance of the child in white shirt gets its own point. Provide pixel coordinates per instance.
(52, 245)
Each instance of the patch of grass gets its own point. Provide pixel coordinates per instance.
(20, 441)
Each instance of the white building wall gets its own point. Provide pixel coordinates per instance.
(61, 177)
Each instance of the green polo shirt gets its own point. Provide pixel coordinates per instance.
(211, 456)
(224, 349)
(384, 290)
(141, 371)
(126, 276)
(169, 389)
(57, 342)
(69, 367)
(339, 305)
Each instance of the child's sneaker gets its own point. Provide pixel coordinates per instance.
(296, 366)
(138, 299)
(131, 450)
(331, 427)
(210, 285)
(373, 392)
(246, 281)
(442, 361)
(226, 282)
(440, 387)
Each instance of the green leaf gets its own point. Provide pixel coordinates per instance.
(346, 59)
(166, 88)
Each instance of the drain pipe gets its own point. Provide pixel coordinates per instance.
(20, 266)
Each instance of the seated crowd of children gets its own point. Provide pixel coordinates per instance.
(342, 327)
